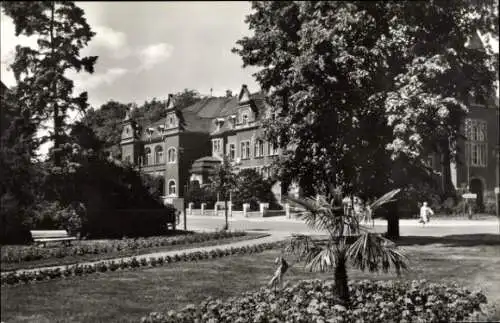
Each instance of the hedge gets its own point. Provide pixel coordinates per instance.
(19, 277)
(11, 254)
(315, 301)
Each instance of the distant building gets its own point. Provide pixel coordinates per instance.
(186, 146)
(477, 167)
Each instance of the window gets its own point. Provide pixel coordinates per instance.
(476, 146)
(232, 152)
(127, 159)
(171, 121)
(245, 149)
(172, 188)
(216, 146)
(265, 172)
(232, 121)
(259, 148)
(172, 155)
(147, 156)
(272, 149)
(159, 154)
(244, 118)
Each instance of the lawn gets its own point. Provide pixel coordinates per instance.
(73, 259)
(127, 296)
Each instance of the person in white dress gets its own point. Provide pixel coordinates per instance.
(425, 213)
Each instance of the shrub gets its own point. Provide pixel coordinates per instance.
(15, 254)
(314, 301)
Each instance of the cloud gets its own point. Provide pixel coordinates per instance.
(9, 41)
(109, 39)
(85, 81)
(154, 54)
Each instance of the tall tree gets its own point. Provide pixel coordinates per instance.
(353, 81)
(43, 86)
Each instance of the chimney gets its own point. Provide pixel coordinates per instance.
(229, 93)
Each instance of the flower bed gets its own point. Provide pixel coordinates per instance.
(17, 254)
(14, 278)
(314, 301)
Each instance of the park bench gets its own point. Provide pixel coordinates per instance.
(44, 236)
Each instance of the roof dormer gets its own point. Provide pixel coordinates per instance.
(244, 96)
(170, 102)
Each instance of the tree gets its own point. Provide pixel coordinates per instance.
(223, 181)
(369, 250)
(43, 87)
(358, 81)
(106, 123)
(251, 188)
(19, 176)
(186, 98)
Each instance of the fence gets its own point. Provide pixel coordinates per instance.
(245, 213)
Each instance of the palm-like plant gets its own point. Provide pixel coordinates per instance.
(348, 241)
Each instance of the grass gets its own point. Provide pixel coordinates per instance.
(73, 259)
(127, 296)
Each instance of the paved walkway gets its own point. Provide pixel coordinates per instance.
(274, 237)
(441, 222)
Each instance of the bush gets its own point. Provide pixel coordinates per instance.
(15, 254)
(103, 266)
(490, 203)
(314, 301)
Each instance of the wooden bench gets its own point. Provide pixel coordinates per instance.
(44, 236)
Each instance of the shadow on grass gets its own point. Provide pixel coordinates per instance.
(456, 240)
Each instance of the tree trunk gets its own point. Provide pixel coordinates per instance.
(341, 281)
(447, 184)
(225, 213)
(392, 221)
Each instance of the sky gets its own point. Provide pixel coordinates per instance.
(151, 49)
(148, 50)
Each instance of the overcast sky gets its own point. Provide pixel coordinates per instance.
(151, 49)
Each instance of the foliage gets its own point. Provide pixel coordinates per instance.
(52, 215)
(223, 181)
(43, 85)
(105, 122)
(16, 254)
(315, 301)
(370, 251)
(251, 187)
(14, 278)
(19, 177)
(201, 194)
(339, 72)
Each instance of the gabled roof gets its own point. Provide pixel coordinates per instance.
(201, 116)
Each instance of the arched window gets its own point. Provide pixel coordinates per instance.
(147, 156)
(172, 155)
(172, 188)
(159, 154)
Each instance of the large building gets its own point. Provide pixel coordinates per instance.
(185, 147)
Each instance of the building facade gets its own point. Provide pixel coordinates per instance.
(186, 146)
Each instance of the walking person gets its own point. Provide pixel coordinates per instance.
(425, 213)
